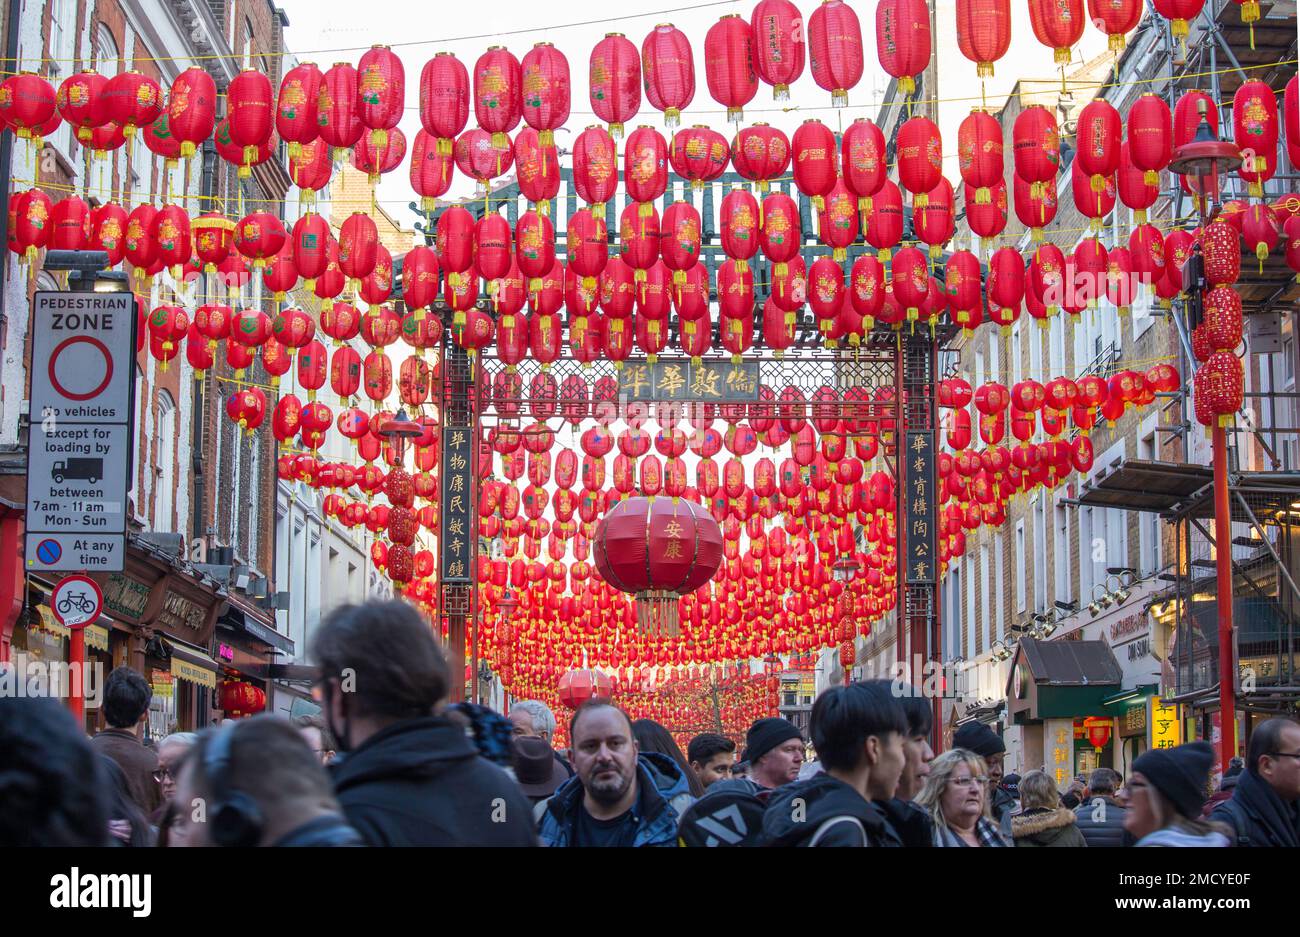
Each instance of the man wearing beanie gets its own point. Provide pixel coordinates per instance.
(1167, 789)
(978, 738)
(774, 749)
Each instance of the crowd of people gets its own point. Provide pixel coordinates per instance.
(389, 762)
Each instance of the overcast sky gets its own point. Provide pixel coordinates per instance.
(327, 31)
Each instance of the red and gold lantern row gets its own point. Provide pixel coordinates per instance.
(657, 549)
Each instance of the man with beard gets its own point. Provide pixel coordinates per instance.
(619, 796)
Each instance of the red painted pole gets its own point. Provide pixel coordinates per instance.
(1223, 564)
(76, 685)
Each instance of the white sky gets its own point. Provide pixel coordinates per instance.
(320, 27)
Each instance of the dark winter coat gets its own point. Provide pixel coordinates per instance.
(137, 762)
(1257, 816)
(421, 782)
(912, 824)
(1223, 793)
(831, 814)
(1001, 808)
(327, 830)
(1102, 824)
(663, 794)
(1044, 827)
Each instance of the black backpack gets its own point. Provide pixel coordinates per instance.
(729, 814)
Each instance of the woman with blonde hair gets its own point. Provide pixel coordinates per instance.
(956, 797)
(1043, 819)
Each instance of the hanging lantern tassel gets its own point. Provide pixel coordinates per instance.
(840, 98)
(679, 278)
(1261, 254)
(906, 85)
(984, 70)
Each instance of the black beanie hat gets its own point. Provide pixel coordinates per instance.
(978, 738)
(1181, 774)
(767, 734)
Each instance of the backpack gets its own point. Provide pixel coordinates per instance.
(725, 816)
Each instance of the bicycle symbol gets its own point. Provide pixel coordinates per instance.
(81, 601)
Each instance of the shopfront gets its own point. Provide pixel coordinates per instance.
(247, 647)
(1056, 692)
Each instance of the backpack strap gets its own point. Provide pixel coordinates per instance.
(821, 830)
(1238, 820)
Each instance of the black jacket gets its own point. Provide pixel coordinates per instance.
(421, 782)
(910, 823)
(662, 797)
(1101, 821)
(1258, 816)
(831, 814)
(328, 830)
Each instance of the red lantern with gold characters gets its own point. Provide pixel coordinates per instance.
(729, 65)
(835, 49)
(669, 71)
(983, 32)
(381, 93)
(903, 40)
(1057, 24)
(614, 81)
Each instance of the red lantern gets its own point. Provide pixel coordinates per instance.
(933, 221)
(680, 245)
(444, 100)
(296, 106)
(537, 168)
(1036, 146)
(835, 49)
(760, 153)
(337, 109)
(545, 96)
(381, 93)
(1255, 131)
(81, 103)
(1098, 140)
(27, 102)
(595, 169)
(903, 40)
(258, 236)
(778, 45)
(729, 65)
(191, 109)
(498, 94)
(885, 220)
(132, 100)
(1179, 13)
(669, 71)
(983, 32)
(815, 161)
(249, 112)
(920, 158)
(1057, 24)
(375, 160)
(614, 81)
(1116, 18)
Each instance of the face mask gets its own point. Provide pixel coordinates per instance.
(340, 732)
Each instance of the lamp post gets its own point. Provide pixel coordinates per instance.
(1204, 159)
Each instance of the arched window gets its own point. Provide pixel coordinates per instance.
(248, 43)
(165, 464)
(106, 53)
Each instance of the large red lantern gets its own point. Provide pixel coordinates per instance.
(27, 103)
(979, 153)
(133, 100)
(1098, 141)
(920, 158)
(699, 155)
(545, 95)
(669, 71)
(80, 101)
(614, 81)
(1057, 24)
(577, 686)
(249, 112)
(729, 65)
(835, 49)
(903, 40)
(480, 156)
(1150, 136)
(337, 109)
(296, 106)
(657, 550)
(358, 247)
(1036, 147)
(983, 32)
(381, 92)
(778, 44)
(1255, 132)
(1116, 18)
(444, 100)
(498, 94)
(192, 109)
(760, 154)
(595, 168)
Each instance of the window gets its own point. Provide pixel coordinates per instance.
(165, 466)
(1061, 552)
(1056, 359)
(1016, 376)
(1020, 560)
(979, 368)
(999, 586)
(248, 43)
(62, 35)
(986, 613)
(1040, 554)
(969, 621)
(106, 54)
(994, 364)
(1148, 522)
(1143, 309)
(953, 617)
(1036, 355)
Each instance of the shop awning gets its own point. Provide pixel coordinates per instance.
(1129, 697)
(240, 619)
(193, 665)
(1061, 679)
(1071, 663)
(1138, 485)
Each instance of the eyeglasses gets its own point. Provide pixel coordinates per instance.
(162, 773)
(1284, 754)
(970, 782)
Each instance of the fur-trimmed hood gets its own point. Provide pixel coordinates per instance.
(1041, 821)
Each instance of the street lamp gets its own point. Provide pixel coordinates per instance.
(1202, 161)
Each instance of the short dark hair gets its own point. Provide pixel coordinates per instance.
(1103, 780)
(387, 649)
(706, 747)
(317, 721)
(126, 698)
(917, 710)
(1265, 741)
(51, 784)
(596, 702)
(844, 717)
(269, 761)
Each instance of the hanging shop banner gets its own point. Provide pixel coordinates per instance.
(922, 549)
(457, 491)
(684, 380)
(79, 458)
(1166, 732)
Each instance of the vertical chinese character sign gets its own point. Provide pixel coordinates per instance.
(919, 512)
(1165, 729)
(1058, 750)
(457, 498)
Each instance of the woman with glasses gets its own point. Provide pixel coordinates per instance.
(1166, 791)
(955, 796)
(171, 751)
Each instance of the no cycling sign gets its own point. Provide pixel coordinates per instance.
(79, 452)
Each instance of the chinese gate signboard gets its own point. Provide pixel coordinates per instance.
(79, 453)
(681, 379)
(919, 511)
(1166, 732)
(457, 497)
